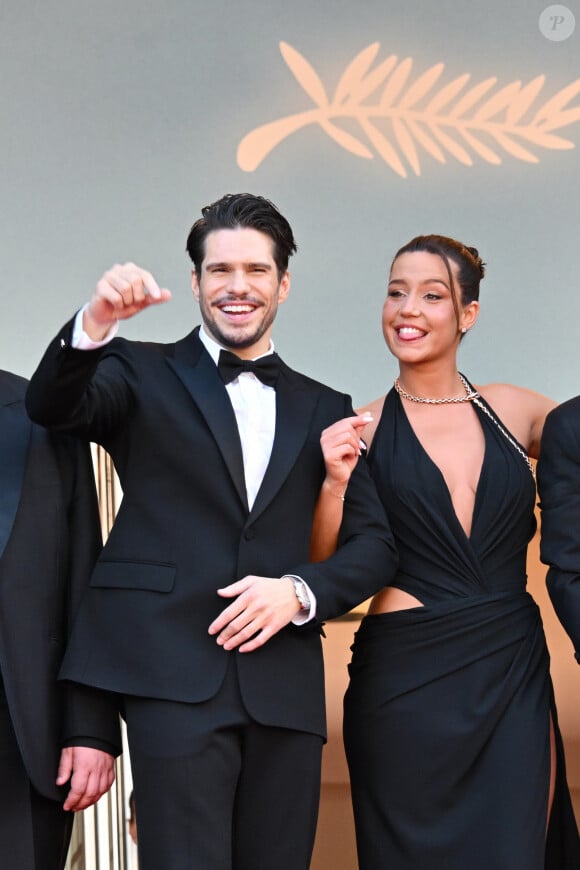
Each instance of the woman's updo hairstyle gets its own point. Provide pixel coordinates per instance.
(470, 266)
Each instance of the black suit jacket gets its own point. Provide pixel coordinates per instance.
(184, 528)
(49, 540)
(559, 489)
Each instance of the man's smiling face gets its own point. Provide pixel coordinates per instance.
(239, 289)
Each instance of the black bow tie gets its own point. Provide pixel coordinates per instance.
(266, 369)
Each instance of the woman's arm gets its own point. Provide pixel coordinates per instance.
(341, 447)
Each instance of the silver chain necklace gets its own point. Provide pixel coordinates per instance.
(470, 396)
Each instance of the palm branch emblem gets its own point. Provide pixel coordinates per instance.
(401, 119)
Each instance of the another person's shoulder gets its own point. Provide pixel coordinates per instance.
(12, 394)
(568, 411)
(563, 423)
(12, 386)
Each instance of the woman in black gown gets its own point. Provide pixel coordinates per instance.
(450, 729)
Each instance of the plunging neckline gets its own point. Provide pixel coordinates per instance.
(441, 476)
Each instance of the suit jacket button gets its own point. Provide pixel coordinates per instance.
(249, 534)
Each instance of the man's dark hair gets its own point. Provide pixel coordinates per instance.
(242, 210)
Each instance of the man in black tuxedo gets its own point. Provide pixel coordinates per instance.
(220, 471)
(56, 746)
(559, 489)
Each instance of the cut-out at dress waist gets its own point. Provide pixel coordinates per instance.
(411, 593)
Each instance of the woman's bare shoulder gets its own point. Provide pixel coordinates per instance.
(375, 409)
(523, 411)
(506, 394)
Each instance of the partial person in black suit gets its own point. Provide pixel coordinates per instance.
(221, 473)
(559, 489)
(57, 745)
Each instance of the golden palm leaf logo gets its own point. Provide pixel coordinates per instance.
(400, 117)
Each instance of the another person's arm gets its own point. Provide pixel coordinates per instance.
(91, 731)
(559, 489)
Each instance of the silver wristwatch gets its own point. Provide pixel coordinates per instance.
(301, 594)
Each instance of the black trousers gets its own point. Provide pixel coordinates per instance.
(215, 790)
(34, 830)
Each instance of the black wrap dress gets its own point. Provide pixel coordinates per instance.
(447, 716)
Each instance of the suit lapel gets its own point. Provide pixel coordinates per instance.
(15, 431)
(295, 405)
(198, 373)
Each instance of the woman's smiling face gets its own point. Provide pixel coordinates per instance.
(421, 321)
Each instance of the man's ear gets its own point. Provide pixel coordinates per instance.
(284, 288)
(195, 284)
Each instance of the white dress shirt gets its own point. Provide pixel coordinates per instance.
(254, 405)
